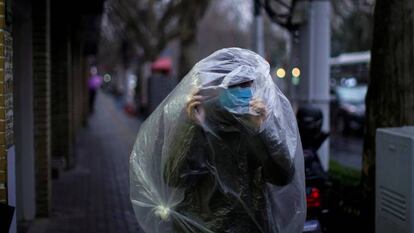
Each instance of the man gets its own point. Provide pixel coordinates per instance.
(229, 153)
(94, 82)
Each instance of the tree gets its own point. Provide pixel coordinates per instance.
(225, 24)
(390, 97)
(282, 12)
(189, 16)
(152, 24)
(351, 21)
(351, 24)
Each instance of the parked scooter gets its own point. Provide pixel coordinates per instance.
(310, 121)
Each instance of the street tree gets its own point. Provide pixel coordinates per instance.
(390, 97)
(351, 25)
(229, 24)
(152, 24)
(224, 25)
(282, 12)
(351, 21)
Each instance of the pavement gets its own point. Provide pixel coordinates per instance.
(94, 196)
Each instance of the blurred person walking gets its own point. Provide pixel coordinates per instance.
(94, 82)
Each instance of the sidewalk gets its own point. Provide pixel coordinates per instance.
(94, 196)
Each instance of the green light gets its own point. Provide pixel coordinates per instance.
(295, 81)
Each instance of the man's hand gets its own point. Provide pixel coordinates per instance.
(194, 109)
(257, 106)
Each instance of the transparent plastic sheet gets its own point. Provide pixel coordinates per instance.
(224, 174)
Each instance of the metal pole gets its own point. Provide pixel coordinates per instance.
(315, 53)
(258, 38)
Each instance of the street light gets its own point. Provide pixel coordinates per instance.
(107, 78)
(280, 73)
(296, 72)
(295, 76)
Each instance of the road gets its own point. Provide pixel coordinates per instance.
(347, 150)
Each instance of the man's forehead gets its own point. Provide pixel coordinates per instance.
(241, 74)
(244, 84)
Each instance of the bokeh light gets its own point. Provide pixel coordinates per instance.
(296, 72)
(280, 73)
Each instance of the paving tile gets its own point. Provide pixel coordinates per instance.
(94, 196)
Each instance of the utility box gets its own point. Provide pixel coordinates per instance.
(395, 180)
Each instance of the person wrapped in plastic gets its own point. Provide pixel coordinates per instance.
(221, 153)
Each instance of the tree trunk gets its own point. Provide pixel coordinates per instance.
(140, 108)
(190, 16)
(390, 98)
(187, 56)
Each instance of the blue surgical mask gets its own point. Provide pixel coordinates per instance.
(236, 99)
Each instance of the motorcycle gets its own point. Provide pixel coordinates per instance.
(310, 121)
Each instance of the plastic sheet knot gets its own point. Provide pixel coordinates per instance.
(163, 212)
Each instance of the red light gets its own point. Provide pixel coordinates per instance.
(313, 199)
(315, 193)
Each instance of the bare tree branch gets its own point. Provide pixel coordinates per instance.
(171, 12)
(152, 24)
(282, 18)
(283, 4)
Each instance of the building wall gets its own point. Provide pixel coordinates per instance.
(78, 87)
(60, 85)
(6, 101)
(7, 150)
(23, 109)
(50, 96)
(41, 104)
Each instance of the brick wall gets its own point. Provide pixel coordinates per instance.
(6, 100)
(41, 104)
(3, 159)
(78, 86)
(60, 83)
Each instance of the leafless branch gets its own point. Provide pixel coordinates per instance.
(152, 24)
(283, 19)
(283, 4)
